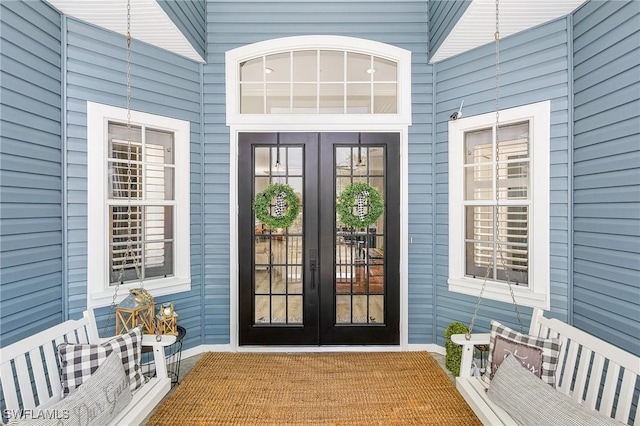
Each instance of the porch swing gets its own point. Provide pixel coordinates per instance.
(592, 381)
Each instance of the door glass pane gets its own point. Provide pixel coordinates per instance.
(359, 252)
(278, 263)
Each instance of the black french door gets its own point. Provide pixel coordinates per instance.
(318, 281)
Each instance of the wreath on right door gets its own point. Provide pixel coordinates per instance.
(364, 200)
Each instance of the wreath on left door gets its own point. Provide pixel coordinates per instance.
(285, 203)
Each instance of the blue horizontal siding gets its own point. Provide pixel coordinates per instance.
(30, 170)
(606, 159)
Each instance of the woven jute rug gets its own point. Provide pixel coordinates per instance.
(399, 388)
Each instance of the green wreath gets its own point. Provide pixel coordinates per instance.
(287, 205)
(357, 195)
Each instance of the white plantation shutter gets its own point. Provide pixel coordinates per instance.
(497, 203)
(141, 202)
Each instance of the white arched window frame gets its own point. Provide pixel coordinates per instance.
(401, 57)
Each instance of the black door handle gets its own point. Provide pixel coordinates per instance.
(313, 265)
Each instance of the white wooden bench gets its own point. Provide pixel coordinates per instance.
(580, 373)
(40, 353)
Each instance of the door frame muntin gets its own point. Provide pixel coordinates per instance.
(403, 130)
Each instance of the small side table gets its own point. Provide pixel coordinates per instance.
(173, 356)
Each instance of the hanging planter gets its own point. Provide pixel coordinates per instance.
(359, 196)
(285, 202)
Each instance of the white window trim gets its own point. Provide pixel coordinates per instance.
(537, 294)
(233, 59)
(99, 293)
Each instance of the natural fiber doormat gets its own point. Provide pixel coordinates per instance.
(392, 388)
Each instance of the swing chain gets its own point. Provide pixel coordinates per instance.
(497, 192)
(129, 249)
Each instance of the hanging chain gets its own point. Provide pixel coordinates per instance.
(129, 249)
(496, 36)
(497, 189)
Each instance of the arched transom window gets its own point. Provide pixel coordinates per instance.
(318, 82)
(327, 79)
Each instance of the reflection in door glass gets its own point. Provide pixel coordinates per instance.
(278, 268)
(360, 259)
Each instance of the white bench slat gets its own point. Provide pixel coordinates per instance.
(596, 378)
(561, 357)
(581, 376)
(626, 394)
(42, 389)
(610, 385)
(8, 385)
(24, 382)
(571, 355)
(51, 363)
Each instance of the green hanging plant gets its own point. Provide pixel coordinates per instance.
(453, 356)
(286, 205)
(359, 195)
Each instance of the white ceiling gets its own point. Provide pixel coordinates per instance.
(149, 22)
(478, 24)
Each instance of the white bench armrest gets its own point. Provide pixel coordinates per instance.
(467, 349)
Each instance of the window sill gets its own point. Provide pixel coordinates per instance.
(499, 291)
(157, 288)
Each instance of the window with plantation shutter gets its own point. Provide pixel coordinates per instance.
(499, 204)
(141, 202)
(138, 203)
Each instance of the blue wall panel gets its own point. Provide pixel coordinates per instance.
(30, 170)
(533, 67)
(236, 23)
(162, 83)
(606, 159)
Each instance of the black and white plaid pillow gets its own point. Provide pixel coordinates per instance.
(537, 354)
(79, 361)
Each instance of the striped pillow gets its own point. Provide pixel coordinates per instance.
(538, 355)
(529, 401)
